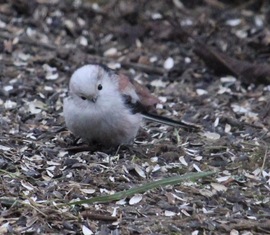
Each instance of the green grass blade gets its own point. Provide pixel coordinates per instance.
(143, 188)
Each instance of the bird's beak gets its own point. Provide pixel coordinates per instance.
(94, 99)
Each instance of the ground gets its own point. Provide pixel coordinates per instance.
(207, 62)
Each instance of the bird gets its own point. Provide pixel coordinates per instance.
(107, 108)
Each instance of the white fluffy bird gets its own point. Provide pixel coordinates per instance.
(107, 108)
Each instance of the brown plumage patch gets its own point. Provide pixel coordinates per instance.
(146, 98)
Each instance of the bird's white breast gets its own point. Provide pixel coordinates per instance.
(108, 121)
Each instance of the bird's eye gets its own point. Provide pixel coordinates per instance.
(99, 87)
(83, 97)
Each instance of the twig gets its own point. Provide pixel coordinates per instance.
(81, 148)
(39, 211)
(128, 65)
(95, 216)
(28, 41)
(215, 3)
(264, 158)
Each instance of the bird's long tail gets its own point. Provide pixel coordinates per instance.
(171, 122)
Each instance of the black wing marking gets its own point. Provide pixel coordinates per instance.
(136, 107)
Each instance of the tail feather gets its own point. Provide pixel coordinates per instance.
(171, 122)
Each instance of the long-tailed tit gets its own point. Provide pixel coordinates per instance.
(107, 108)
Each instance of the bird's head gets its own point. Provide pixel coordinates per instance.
(90, 82)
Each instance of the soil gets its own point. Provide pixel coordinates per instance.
(206, 60)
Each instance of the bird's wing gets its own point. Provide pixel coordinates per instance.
(136, 91)
(139, 99)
